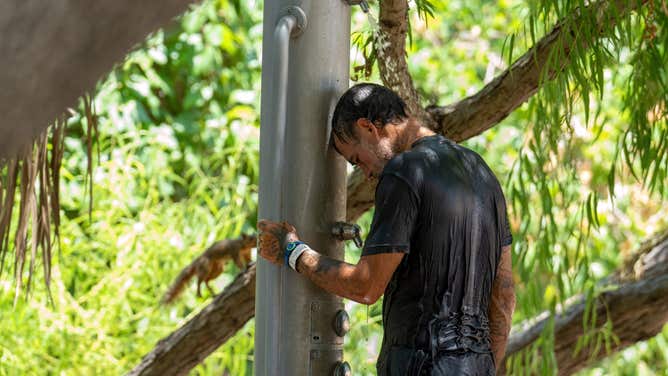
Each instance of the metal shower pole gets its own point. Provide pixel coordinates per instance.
(305, 68)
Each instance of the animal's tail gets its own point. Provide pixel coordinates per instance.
(186, 274)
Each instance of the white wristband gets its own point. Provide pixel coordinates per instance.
(301, 248)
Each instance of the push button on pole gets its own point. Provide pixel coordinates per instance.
(343, 369)
(341, 323)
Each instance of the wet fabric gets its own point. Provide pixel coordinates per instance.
(441, 205)
(402, 361)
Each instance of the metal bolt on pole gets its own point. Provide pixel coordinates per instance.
(306, 53)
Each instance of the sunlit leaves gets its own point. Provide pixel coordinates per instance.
(177, 170)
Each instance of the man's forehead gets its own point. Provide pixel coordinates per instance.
(343, 147)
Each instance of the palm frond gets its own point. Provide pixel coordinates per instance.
(30, 211)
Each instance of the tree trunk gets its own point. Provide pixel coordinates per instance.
(390, 48)
(182, 350)
(53, 52)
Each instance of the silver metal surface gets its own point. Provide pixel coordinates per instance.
(343, 369)
(348, 231)
(362, 3)
(341, 323)
(284, 29)
(299, 16)
(302, 181)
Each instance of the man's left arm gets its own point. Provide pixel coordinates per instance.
(501, 306)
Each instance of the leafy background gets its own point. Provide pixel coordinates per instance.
(178, 169)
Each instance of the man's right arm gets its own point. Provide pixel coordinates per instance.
(502, 306)
(364, 282)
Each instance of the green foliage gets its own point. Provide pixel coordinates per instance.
(177, 170)
(583, 165)
(600, 99)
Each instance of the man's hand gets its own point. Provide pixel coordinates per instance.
(272, 239)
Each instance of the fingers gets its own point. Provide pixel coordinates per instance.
(267, 225)
(270, 249)
(289, 227)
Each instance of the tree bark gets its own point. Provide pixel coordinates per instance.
(182, 350)
(391, 52)
(53, 52)
(636, 304)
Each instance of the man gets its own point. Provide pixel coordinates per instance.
(438, 247)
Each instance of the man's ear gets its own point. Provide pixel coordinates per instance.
(366, 130)
(364, 125)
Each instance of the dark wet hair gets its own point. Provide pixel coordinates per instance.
(371, 101)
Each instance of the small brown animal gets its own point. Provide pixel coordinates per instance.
(210, 264)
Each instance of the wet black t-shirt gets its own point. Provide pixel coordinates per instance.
(441, 205)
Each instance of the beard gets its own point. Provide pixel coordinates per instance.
(383, 151)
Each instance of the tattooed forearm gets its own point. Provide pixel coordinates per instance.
(334, 276)
(502, 305)
(337, 277)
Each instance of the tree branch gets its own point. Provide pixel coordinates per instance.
(627, 297)
(481, 111)
(475, 114)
